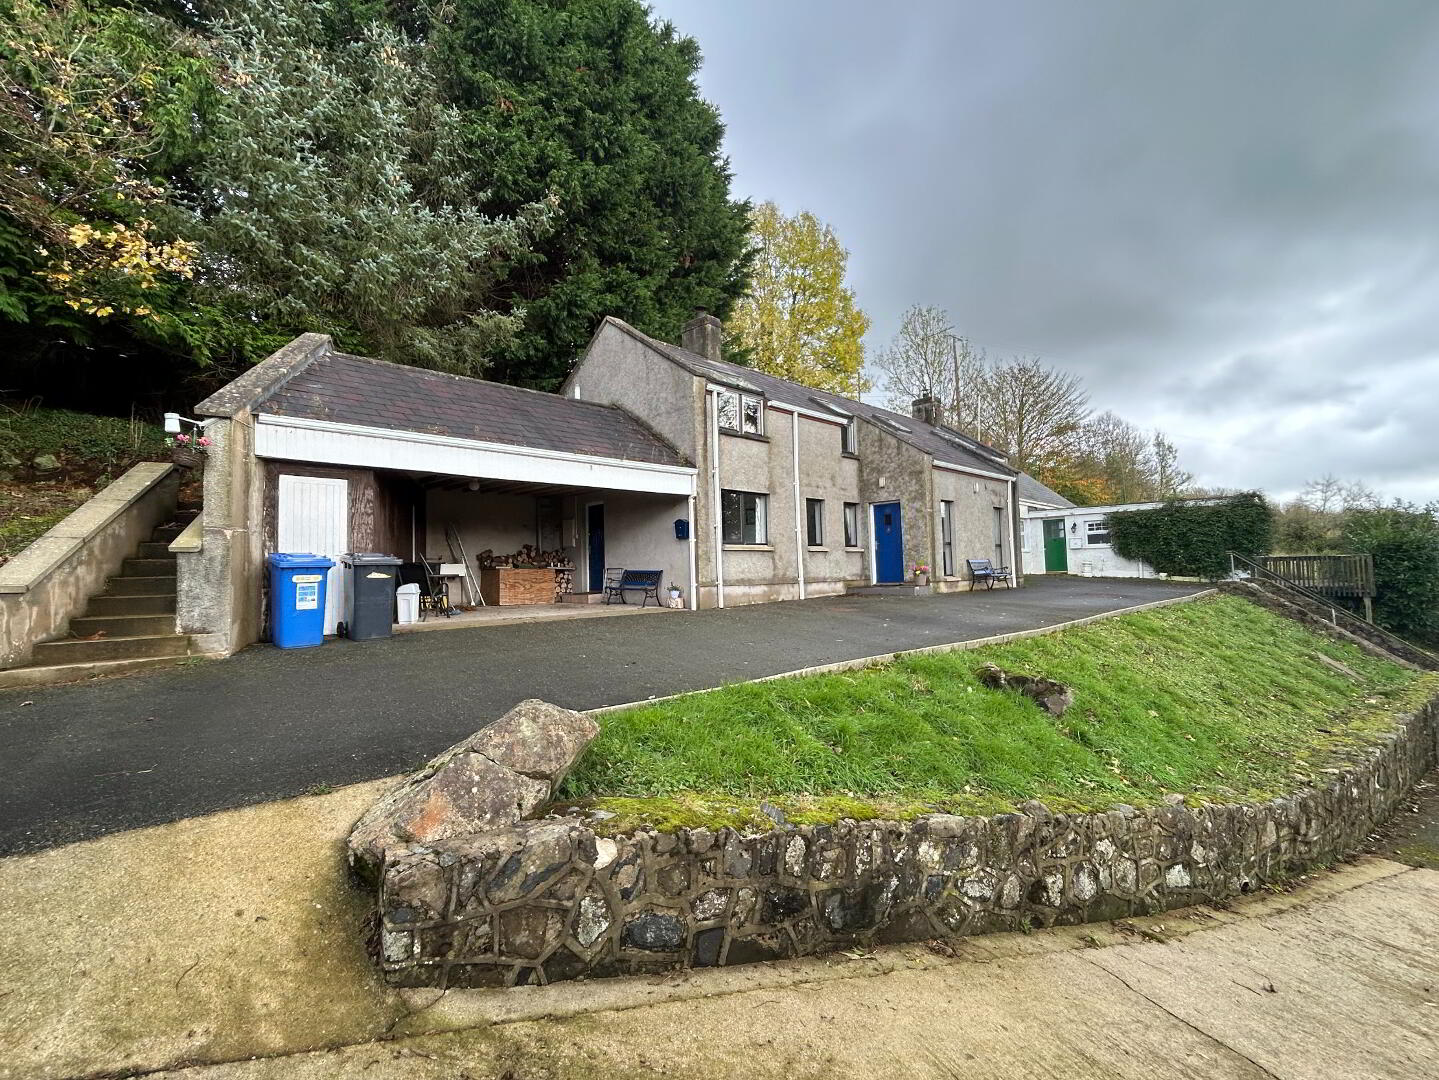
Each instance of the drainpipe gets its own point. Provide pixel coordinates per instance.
(1014, 568)
(799, 544)
(712, 403)
(694, 547)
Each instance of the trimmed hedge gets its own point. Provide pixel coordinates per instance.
(1404, 540)
(1190, 539)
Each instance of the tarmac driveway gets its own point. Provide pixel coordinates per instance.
(90, 759)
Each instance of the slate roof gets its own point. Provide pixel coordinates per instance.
(358, 390)
(1031, 490)
(941, 443)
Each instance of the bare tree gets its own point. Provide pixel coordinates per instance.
(921, 359)
(1169, 479)
(1035, 412)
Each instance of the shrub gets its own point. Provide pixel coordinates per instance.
(1404, 540)
(1193, 539)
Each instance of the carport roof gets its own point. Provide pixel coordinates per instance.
(347, 389)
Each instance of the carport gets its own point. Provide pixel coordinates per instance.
(328, 452)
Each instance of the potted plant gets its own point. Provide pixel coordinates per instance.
(187, 450)
(921, 574)
(676, 595)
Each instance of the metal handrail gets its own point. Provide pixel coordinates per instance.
(1258, 570)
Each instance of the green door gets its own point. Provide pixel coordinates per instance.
(1056, 556)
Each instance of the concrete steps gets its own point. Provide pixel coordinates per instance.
(889, 590)
(137, 604)
(128, 627)
(59, 674)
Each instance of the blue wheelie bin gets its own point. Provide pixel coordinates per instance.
(297, 599)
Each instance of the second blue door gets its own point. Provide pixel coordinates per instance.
(595, 527)
(888, 544)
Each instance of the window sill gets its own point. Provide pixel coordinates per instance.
(748, 547)
(744, 435)
(846, 453)
(854, 549)
(816, 547)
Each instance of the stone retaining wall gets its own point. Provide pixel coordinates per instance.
(548, 900)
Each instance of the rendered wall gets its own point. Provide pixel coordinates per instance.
(975, 499)
(53, 578)
(548, 900)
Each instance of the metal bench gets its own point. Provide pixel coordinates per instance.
(982, 570)
(647, 581)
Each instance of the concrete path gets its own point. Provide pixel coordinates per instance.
(89, 759)
(228, 948)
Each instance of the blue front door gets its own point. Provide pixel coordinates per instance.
(595, 527)
(888, 544)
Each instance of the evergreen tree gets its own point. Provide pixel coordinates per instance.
(591, 101)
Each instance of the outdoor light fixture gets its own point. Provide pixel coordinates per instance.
(174, 420)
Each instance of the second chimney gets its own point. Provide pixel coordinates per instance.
(925, 408)
(702, 335)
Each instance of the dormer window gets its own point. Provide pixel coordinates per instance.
(849, 437)
(741, 413)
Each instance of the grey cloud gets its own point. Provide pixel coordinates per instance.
(1223, 215)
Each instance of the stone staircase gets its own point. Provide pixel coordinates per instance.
(130, 626)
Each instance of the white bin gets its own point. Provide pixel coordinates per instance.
(407, 604)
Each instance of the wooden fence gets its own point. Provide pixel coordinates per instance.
(1349, 576)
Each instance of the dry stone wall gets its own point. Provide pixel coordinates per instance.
(541, 901)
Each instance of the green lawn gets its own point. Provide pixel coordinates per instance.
(1217, 698)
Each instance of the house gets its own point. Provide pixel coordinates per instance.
(1071, 539)
(737, 486)
(1036, 537)
(802, 492)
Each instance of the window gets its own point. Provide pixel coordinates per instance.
(752, 416)
(744, 517)
(946, 537)
(740, 412)
(814, 522)
(998, 559)
(851, 525)
(728, 404)
(849, 438)
(1096, 533)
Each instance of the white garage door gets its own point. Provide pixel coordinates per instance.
(313, 515)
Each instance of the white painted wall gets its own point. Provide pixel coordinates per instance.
(1085, 559)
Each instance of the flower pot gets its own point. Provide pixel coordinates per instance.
(185, 457)
(921, 579)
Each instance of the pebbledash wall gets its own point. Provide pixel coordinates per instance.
(548, 900)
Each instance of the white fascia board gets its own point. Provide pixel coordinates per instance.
(810, 414)
(971, 470)
(329, 442)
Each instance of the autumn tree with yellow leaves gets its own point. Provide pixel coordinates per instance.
(800, 320)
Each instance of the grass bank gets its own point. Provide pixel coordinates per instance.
(1217, 698)
(52, 460)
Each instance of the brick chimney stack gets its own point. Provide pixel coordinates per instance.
(926, 408)
(702, 334)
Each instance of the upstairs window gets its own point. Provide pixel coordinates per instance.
(849, 438)
(814, 521)
(740, 412)
(744, 517)
(1096, 533)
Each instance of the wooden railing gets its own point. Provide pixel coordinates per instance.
(1329, 575)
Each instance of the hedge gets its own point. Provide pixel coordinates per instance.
(1193, 539)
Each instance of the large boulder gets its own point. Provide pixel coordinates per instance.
(492, 780)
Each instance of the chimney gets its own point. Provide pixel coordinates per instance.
(925, 408)
(702, 335)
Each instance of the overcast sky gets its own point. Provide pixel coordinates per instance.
(1223, 215)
